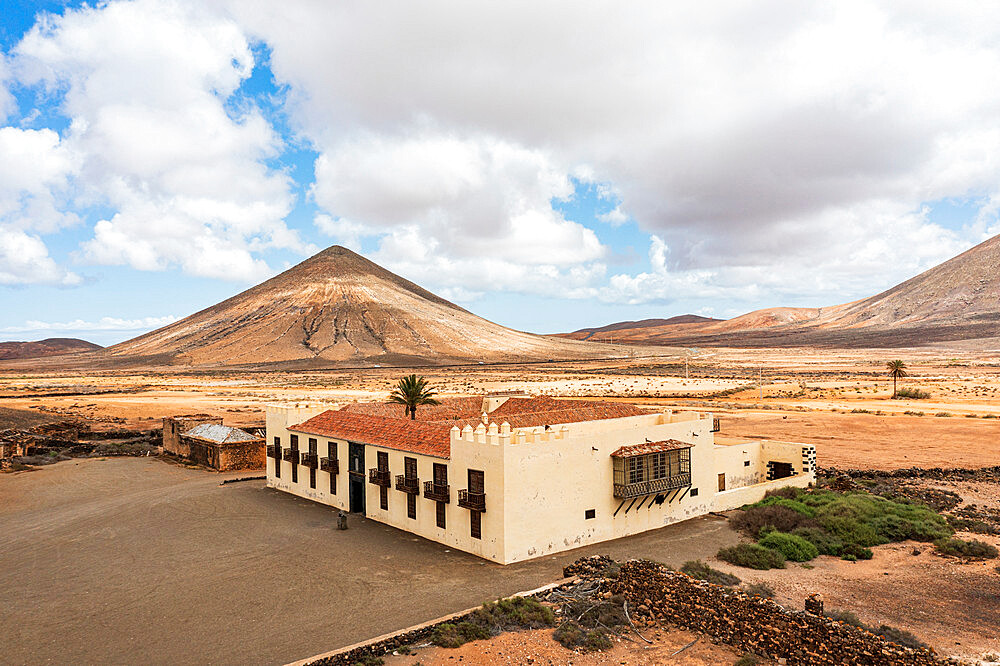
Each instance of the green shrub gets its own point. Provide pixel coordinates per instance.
(787, 492)
(974, 549)
(793, 504)
(915, 394)
(752, 556)
(760, 590)
(701, 571)
(826, 544)
(450, 635)
(909, 413)
(853, 552)
(574, 637)
(369, 660)
(794, 548)
(753, 519)
(898, 636)
(852, 531)
(748, 660)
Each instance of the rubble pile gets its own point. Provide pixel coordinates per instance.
(754, 624)
(53, 442)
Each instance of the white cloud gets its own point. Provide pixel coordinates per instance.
(789, 146)
(146, 85)
(103, 324)
(7, 102)
(24, 259)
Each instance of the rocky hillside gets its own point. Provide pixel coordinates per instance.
(955, 302)
(47, 347)
(340, 307)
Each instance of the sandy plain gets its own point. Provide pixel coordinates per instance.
(838, 400)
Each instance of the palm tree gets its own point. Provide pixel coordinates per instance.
(412, 391)
(897, 370)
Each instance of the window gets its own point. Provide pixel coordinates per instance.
(694, 492)
(331, 452)
(295, 458)
(476, 524)
(722, 482)
(383, 461)
(636, 470)
(411, 505)
(277, 457)
(746, 463)
(440, 474)
(589, 513)
(313, 452)
(440, 515)
(477, 482)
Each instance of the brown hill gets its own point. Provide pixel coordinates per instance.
(338, 307)
(603, 333)
(47, 347)
(956, 301)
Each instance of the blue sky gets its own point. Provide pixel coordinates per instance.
(162, 155)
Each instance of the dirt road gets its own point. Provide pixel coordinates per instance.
(135, 560)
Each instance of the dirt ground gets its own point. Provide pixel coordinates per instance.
(137, 560)
(672, 646)
(187, 552)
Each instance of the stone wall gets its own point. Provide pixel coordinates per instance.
(747, 622)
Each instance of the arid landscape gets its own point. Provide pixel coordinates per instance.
(840, 401)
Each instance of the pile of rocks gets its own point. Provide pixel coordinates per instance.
(989, 474)
(751, 623)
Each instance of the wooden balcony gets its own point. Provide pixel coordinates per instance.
(273, 451)
(627, 490)
(439, 492)
(472, 501)
(407, 484)
(310, 460)
(716, 424)
(379, 477)
(291, 455)
(331, 465)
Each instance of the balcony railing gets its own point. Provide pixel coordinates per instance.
(273, 451)
(716, 424)
(473, 501)
(408, 484)
(331, 465)
(379, 477)
(291, 455)
(310, 460)
(439, 492)
(626, 490)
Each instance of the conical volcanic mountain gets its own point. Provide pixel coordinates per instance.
(957, 301)
(338, 307)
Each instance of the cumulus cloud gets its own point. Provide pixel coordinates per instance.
(791, 146)
(103, 324)
(146, 85)
(34, 173)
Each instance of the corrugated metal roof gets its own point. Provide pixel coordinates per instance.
(650, 447)
(221, 434)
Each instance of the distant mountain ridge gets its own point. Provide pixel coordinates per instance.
(46, 347)
(956, 301)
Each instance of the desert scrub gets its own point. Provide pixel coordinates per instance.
(701, 571)
(897, 636)
(752, 556)
(760, 590)
(793, 547)
(450, 635)
(755, 518)
(975, 549)
(912, 393)
(491, 619)
(574, 637)
(826, 544)
(748, 660)
(789, 503)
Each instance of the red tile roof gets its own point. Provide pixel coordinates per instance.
(650, 447)
(383, 424)
(432, 439)
(450, 409)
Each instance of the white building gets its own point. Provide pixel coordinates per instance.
(513, 477)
